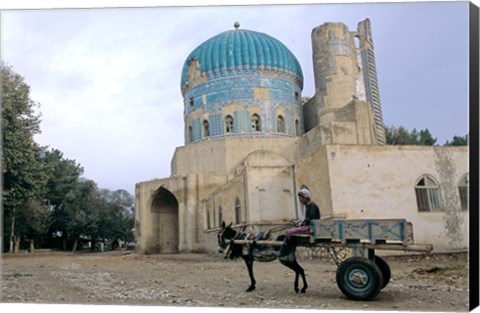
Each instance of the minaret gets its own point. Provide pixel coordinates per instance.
(346, 80)
(367, 57)
(335, 69)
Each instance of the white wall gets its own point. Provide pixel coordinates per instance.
(379, 182)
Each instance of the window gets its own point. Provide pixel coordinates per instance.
(427, 193)
(206, 131)
(463, 189)
(255, 122)
(190, 134)
(220, 216)
(297, 128)
(229, 124)
(213, 217)
(280, 124)
(356, 40)
(296, 96)
(208, 219)
(238, 211)
(191, 101)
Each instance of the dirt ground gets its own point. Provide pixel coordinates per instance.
(419, 283)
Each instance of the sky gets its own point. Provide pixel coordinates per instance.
(107, 80)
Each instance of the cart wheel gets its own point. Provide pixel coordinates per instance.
(385, 269)
(359, 278)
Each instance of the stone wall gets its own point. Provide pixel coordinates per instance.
(223, 156)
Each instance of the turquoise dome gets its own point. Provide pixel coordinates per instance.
(242, 49)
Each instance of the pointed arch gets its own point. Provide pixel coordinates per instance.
(165, 207)
(427, 192)
(281, 124)
(228, 124)
(238, 211)
(256, 125)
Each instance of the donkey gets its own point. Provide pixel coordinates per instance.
(226, 237)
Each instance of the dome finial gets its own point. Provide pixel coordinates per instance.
(236, 25)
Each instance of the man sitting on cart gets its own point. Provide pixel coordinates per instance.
(311, 212)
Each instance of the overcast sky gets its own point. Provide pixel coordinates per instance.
(108, 80)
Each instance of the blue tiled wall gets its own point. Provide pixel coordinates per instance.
(196, 130)
(238, 88)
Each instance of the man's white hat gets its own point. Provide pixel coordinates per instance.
(304, 193)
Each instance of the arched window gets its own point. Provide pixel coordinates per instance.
(356, 40)
(238, 211)
(213, 217)
(190, 134)
(206, 130)
(427, 192)
(256, 123)
(192, 101)
(229, 124)
(220, 216)
(297, 128)
(280, 124)
(208, 219)
(463, 189)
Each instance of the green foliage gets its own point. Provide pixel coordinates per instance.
(458, 141)
(401, 136)
(94, 213)
(63, 174)
(81, 209)
(116, 219)
(23, 177)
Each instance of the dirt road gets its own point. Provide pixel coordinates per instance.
(435, 282)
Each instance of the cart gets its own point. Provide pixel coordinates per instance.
(363, 275)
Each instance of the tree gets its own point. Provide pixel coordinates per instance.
(458, 141)
(81, 211)
(36, 220)
(23, 178)
(63, 176)
(116, 218)
(397, 136)
(401, 136)
(424, 138)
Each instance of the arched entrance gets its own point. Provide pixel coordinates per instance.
(165, 206)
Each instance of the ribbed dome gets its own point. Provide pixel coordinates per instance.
(241, 49)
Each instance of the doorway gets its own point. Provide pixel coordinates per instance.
(165, 207)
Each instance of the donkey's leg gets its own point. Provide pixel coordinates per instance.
(291, 265)
(295, 284)
(301, 271)
(249, 263)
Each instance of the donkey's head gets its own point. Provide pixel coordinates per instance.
(224, 236)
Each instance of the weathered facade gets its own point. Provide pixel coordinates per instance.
(250, 144)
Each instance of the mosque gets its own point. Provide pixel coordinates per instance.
(252, 139)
